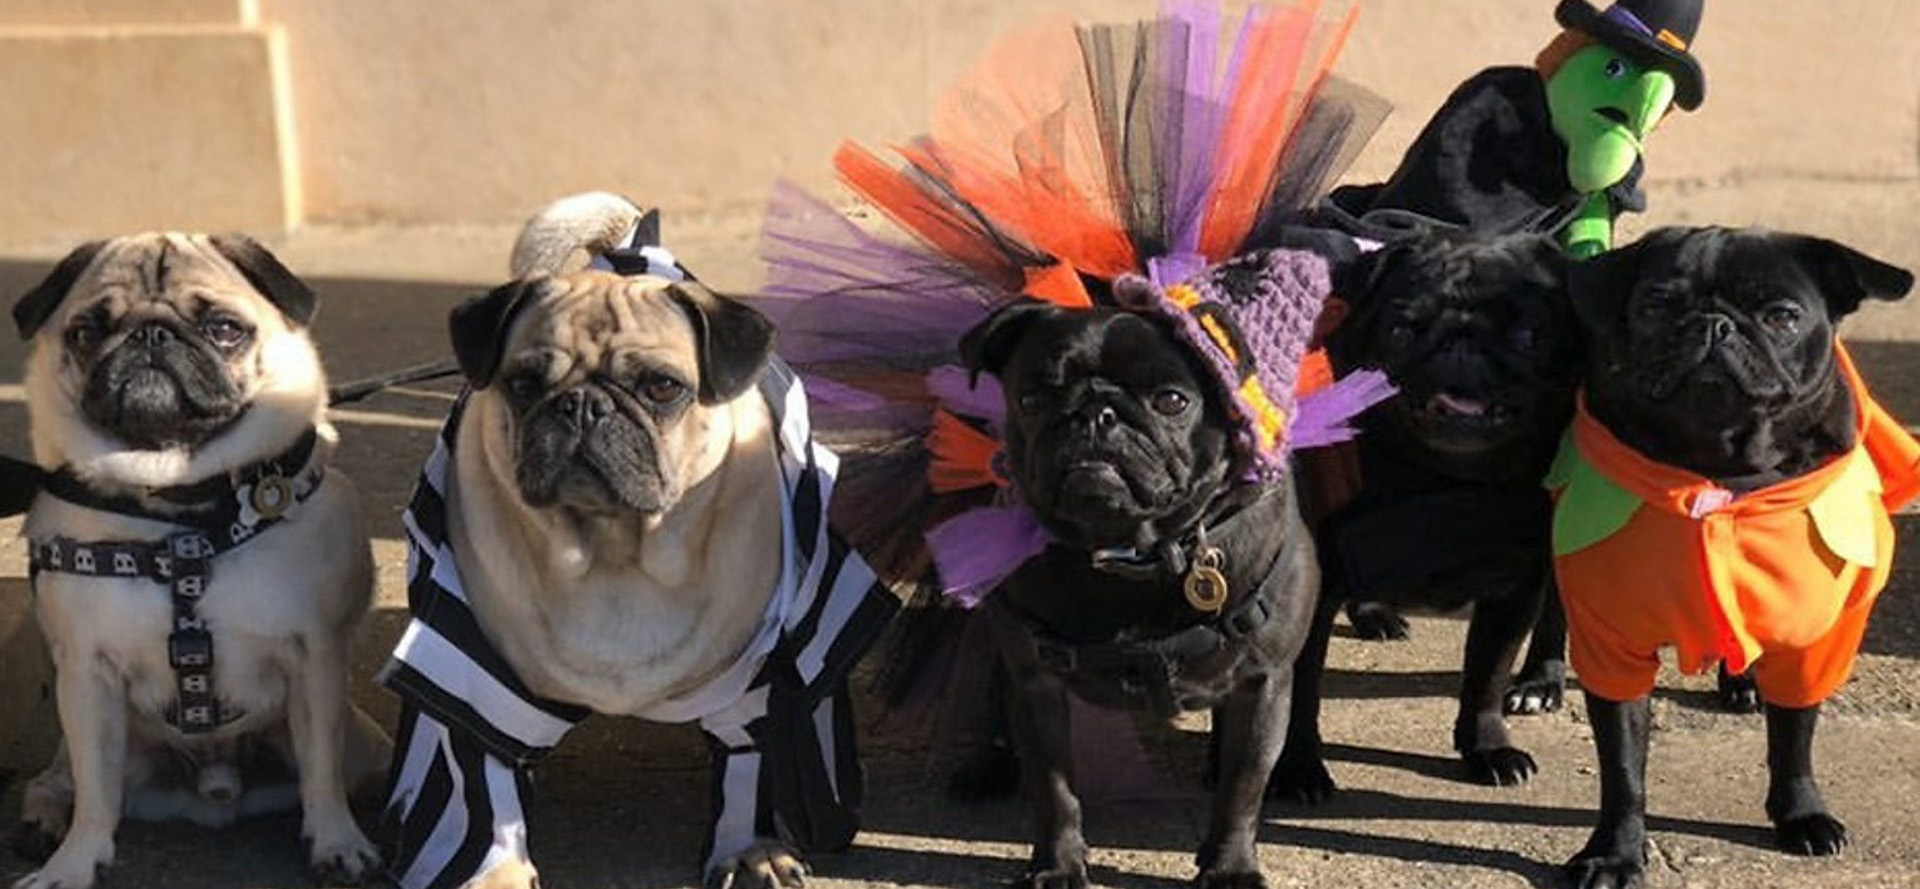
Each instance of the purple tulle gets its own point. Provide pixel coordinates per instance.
(1193, 121)
(1326, 417)
(961, 393)
(979, 549)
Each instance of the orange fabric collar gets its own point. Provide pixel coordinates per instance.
(1684, 493)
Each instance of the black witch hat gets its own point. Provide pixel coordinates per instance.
(1657, 33)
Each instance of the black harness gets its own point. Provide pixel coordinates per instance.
(1145, 670)
(219, 515)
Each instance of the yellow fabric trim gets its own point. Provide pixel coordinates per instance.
(1183, 296)
(1847, 512)
(1671, 39)
(1269, 421)
(1220, 338)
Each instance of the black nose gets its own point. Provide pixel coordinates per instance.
(586, 406)
(155, 334)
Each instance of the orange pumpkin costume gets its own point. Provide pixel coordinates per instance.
(1779, 580)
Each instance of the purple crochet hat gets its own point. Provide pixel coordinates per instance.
(1250, 319)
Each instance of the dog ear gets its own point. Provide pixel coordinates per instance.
(734, 341)
(479, 329)
(1848, 277)
(990, 344)
(263, 270)
(1598, 287)
(34, 308)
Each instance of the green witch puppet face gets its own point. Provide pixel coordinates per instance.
(1603, 104)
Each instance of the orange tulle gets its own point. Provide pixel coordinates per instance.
(1316, 373)
(1285, 55)
(943, 225)
(962, 455)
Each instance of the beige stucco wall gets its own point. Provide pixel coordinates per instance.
(440, 111)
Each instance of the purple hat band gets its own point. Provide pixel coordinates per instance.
(1620, 15)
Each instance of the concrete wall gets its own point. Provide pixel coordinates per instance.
(432, 111)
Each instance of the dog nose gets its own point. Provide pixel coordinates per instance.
(155, 334)
(587, 406)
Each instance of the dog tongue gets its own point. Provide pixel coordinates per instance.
(1457, 405)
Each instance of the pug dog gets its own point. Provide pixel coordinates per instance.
(1476, 333)
(623, 519)
(1120, 449)
(198, 568)
(1724, 428)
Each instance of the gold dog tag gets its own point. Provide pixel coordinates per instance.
(272, 496)
(1206, 585)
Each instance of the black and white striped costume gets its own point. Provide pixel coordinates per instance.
(778, 723)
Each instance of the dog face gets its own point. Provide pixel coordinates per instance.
(1477, 335)
(161, 342)
(1713, 348)
(611, 383)
(1112, 435)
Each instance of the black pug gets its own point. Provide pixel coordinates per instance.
(1476, 333)
(1121, 447)
(1713, 358)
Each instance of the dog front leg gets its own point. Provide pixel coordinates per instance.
(1616, 855)
(1541, 686)
(1480, 730)
(1249, 725)
(1043, 735)
(1801, 823)
(1301, 775)
(317, 720)
(93, 721)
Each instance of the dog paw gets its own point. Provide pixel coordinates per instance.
(1812, 835)
(1590, 870)
(1738, 693)
(510, 874)
(1308, 783)
(347, 859)
(1229, 879)
(1500, 767)
(34, 842)
(1054, 878)
(991, 772)
(1533, 696)
(1375, 622)
(763, 865)
(70, 871)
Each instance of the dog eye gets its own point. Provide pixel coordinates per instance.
(1616, 69)
(523, 386)
(1781, 317)
(224, 331)
(663, 390)
(1400, 336)
(83, 335)
(1170, 402)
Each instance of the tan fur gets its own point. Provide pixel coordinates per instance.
(282, 608)
(619, 614)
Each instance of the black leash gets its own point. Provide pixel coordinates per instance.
(348, 393)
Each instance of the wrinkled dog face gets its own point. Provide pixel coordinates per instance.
(1712, 347)
(1475, 332)
(611, 382)
(1111, 432)
(165, 340)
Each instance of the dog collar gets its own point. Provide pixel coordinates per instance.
(245, 496)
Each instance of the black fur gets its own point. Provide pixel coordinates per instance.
(1476, 333)
(1115, 441)
(37, 305)
(274, 281)
(479, 328)
(1712, 350)
(735, 341)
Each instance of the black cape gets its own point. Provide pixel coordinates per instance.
(1488, 161)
